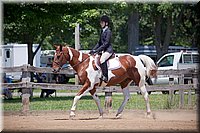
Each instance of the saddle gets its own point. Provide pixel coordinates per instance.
(112, 63)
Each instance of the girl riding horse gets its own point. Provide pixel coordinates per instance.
(131, 70)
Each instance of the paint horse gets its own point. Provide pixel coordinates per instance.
(131, 69)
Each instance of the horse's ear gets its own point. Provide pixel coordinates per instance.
(61, 47)
(65, 45)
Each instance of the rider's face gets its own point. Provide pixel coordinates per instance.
(102, 23)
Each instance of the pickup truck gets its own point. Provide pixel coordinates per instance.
(176, 61)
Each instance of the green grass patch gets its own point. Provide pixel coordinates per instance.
(157, 101)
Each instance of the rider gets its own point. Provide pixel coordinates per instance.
(104, 46)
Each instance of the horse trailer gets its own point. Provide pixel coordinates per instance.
(14, 54)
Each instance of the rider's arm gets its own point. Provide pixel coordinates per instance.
(105, 41)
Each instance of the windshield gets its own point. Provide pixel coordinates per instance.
(166, 61)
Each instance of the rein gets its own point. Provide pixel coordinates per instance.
(73, 65)
(80, 62)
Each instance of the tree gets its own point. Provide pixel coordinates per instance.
(27, 23)
(133, 30)
(132, 24)
(168, 27)
(31, 23)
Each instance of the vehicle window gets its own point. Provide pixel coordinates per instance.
(166, 61)
(195, 58)
(187, 58)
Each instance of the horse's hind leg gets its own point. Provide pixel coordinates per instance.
(126, 94)
(97, 101)
(145, 95)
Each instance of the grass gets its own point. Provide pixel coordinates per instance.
(157, 101)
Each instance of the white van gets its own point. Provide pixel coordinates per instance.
(176, 61)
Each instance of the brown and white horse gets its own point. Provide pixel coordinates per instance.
(131, 69)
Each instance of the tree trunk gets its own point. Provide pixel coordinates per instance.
(162, 35)
(30, 53)
(133, 31)
(167, 34)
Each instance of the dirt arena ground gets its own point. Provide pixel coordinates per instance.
(132, 120)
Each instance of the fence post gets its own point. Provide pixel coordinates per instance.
(26, 92)
(189, 99)
(181, 93)
(195, 81)
(108, 99)
(171, 92)
(196, 86)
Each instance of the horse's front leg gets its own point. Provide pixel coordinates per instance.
(81, 93)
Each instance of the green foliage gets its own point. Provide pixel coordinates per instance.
(49, 23)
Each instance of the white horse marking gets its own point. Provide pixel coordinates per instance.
(143, 72)
(77, 98)
(94, 76)
(150, 65)
(70, 53)
(139, 66)
(80, 58)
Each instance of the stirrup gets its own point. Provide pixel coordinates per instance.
(105, 79)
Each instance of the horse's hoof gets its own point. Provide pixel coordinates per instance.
(149, 115)
(71, 115)
(118, 116)
(100, 117)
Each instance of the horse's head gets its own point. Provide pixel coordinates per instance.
(60, 58)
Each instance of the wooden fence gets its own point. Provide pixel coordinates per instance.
(27, 85)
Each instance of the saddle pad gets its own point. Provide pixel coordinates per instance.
(113, 63)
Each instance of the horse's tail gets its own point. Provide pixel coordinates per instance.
(150, 65)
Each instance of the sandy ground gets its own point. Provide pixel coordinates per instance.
(132, 120)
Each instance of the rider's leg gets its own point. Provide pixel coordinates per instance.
(104, 71)
(103, 65)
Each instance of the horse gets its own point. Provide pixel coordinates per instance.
(131, 69)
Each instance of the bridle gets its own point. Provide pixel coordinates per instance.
(58, 63)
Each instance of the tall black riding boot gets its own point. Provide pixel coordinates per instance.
(104, 71)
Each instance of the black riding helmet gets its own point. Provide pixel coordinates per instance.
(105, 19)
